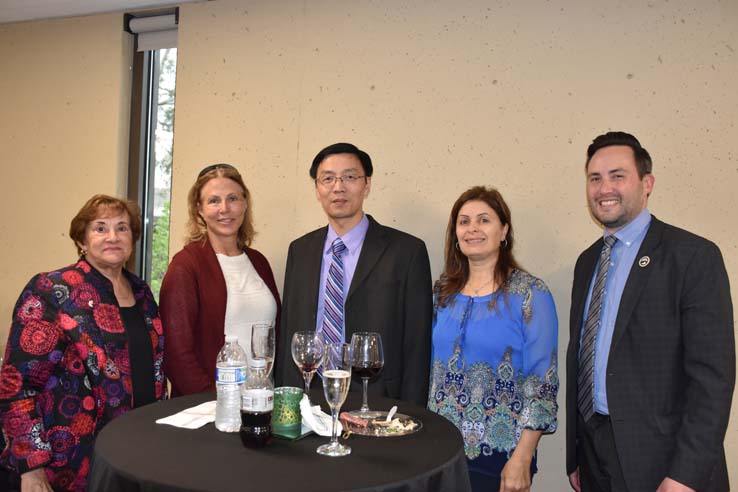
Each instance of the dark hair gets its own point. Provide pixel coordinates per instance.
(342, 148)
(456, 270)
(642, 157)
(196, 228)
(95, 208)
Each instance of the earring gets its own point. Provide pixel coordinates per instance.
(503, 243)
(457, 246)
(84, 252)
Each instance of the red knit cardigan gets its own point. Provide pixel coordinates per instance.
(192, 304)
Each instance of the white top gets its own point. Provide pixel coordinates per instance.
(249, 299)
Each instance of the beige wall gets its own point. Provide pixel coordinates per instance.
(64, 105)
(443, 94)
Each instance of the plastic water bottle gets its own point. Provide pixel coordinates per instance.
(230, 375)
(257, 402)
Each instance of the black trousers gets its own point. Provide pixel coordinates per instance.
(483, 483)
(9, 482)
(599, 465)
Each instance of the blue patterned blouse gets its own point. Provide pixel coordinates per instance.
(494, 368)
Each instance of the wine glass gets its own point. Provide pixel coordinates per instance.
(307, 352)
(336, 381)
(262, 344)
(368, 360)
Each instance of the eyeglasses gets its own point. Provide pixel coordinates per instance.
(213, 167)
(347, 179)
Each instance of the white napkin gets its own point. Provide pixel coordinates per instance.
(192, 418)
(315, 419)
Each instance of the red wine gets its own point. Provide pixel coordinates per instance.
(367, 370)
(308, 367)
(256, 429)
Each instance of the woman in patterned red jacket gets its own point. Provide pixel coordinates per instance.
(85, 346)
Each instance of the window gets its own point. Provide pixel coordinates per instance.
(150, 166)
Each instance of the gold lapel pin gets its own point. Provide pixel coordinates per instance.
(644, 261)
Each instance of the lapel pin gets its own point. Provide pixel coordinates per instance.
(644, 261)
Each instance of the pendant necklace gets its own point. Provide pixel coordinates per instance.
(476, 291)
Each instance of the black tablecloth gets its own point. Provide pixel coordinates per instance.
(133, 453)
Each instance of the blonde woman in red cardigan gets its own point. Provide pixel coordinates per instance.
(217, 284)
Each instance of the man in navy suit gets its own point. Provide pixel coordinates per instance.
(385, 277)
(651, 356)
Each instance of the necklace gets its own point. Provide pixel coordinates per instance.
(476, 291)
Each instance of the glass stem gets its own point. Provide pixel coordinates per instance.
(365, 404)
(308, 376)
(334, 430)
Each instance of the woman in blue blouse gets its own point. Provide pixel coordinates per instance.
(494, 354)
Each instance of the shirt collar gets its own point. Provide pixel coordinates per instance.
(629, 233)
(352, 239)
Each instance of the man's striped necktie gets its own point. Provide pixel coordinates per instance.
(333, 318)
(585, 378)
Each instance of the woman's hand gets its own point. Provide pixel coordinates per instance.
(35, 481)
(515, 475)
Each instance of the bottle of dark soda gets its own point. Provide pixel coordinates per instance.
(257, 401)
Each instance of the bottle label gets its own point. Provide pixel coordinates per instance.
(257, 400)
(230, 375)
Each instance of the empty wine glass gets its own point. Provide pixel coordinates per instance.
(262, 344)
(336, 381)
(307, 352)
(368, 360)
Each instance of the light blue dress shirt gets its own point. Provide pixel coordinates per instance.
(354, 241)
(622, 257)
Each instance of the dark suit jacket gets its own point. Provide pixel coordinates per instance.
(390, 293)
(671, 370)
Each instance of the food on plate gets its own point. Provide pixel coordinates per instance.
(378, 426)
(395, 426)
(348, 419)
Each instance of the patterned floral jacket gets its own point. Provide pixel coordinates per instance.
(67, 371)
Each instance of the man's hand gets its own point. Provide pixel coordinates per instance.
(669, 485)
(35, 481)
(574, 480)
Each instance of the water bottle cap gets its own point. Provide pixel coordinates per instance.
(258, 363)
(231, 338)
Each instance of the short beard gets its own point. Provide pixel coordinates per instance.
(615, 223)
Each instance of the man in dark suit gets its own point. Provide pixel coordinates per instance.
(377, 280)
(651, 357)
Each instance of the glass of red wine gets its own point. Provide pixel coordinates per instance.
(368, 360)
(307, 352)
